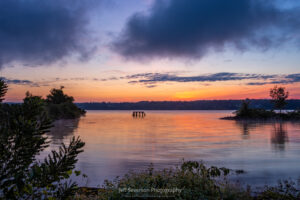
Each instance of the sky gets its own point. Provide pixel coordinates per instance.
(150, 50)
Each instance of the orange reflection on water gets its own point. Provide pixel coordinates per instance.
(120, 129)
(116, 142)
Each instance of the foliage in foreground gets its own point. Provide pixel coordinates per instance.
(22, 138)
(3, 90)
(191, 180)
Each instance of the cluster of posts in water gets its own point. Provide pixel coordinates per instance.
(140, 114)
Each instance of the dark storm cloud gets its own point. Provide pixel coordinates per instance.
(38, 32)
(191, 28)
(150, 78)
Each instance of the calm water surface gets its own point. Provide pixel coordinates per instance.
(116, 143)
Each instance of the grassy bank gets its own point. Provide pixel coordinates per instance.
(190, 180)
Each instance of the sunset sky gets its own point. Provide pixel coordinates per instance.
(136, 50)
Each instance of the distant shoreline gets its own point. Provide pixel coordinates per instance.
(266, 104)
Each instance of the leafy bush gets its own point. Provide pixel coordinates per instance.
(22, 138)
(245, 112)
(286, 190)
(244, 109)
(191, 180)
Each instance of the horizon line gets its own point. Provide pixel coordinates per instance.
(163, 100)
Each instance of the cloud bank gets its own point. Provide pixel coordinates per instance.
(151, 79)
(222, 76)
(38, 32)
(192, 28)
(19, 82)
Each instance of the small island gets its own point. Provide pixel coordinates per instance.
(61, 106)
(278, 97)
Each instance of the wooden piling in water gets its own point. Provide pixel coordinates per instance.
(138, 114)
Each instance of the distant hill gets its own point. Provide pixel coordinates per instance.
(186, 105)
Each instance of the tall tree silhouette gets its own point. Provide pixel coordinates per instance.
(61, 105)
(279, 96)
(58, 96)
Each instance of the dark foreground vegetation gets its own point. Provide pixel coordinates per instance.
(22, 138)
(190, 180)
(279, 96)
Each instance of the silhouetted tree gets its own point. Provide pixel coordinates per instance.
(279, 96)
(34, 104)
(58, 96)
(61, 106)
(3, 89)
(244, 110)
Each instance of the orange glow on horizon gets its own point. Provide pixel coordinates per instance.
(90, 92)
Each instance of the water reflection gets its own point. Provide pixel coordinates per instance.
(279, 136)
(278, 130)
(246, 127)
(116, 143)
(62, 130)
